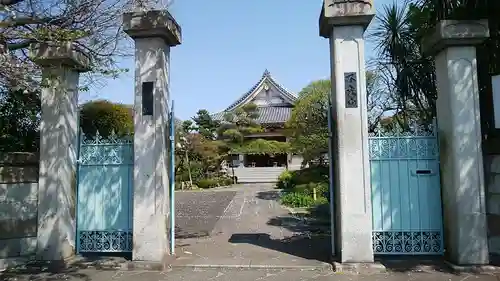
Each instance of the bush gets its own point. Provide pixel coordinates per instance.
(214, 182)
(196, 169)
(300, 200)
(312, 174)
(284, 180)
(316, 174)
(207, 183)
(295, 199)
(225, 181)
(321, 188)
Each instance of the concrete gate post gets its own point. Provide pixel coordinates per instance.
(452, 45)
(154, 32)
(344, 24)
(61, 67)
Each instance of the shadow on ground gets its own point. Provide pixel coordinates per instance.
(269, 195)
(414, 263)
(311, 240)
(33, 273)
(300, 245)
(65, 270)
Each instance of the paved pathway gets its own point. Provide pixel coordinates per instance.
(187, 274)
(253, 230)
(197, 212)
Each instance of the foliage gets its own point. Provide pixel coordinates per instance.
(240, 123)
(19, 121)
(308, 125)
(308, 188)
(106, 117)
(207, 183)
(214, 182)
(93, 25)
(297, 200)
(182, 171)
(300, 200)
(299, 187)
(205, 125)
(314, 174)
(284, 179)
(407, 73)
(201, 153)
(261, 146)
(307, 128)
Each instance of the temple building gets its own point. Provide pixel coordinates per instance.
(274, 105)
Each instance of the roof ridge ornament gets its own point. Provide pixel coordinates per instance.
(266, 73)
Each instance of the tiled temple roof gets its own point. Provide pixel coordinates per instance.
(267, 114)
(265, 76)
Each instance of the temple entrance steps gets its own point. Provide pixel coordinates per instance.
(258, 174)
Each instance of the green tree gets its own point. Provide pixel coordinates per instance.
(407, 72)
(238, 125)
(307, 128)
(106, 117)
(19, 121)
(205, 124)
(308, 125)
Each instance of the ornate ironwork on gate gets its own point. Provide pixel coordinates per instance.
(406, 191)
(104, 194)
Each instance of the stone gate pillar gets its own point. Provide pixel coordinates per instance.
(344, 25)
(154, 32)
(61, 67)
(452, 45)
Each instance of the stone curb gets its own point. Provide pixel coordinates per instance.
(98, 265)
(359, 268)
(477, 269)
(322, 267)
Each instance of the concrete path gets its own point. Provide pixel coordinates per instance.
(187, 274)
(253, 230)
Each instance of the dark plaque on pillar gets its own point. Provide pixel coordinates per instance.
(351, 90)
(147, 98)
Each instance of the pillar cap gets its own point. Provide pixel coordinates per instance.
(448, 33)
(151, 24)
(60, 54)
(344, 13)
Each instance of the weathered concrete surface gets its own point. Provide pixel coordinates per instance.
(187, 274)
(198, 212)
(254, 231)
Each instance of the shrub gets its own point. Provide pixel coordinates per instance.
(316, 174)
(207, 183)
(301, 200)
(311, 174)
(308, 189)
(295, 199)
(284, 180)
(225, 181)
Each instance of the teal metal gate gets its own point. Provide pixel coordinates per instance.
(171, 175)
(104, 194)
(406, 192)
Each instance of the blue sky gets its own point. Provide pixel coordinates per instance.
(227, 45)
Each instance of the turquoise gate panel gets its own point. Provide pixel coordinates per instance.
(406, 193)
(104, 195)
